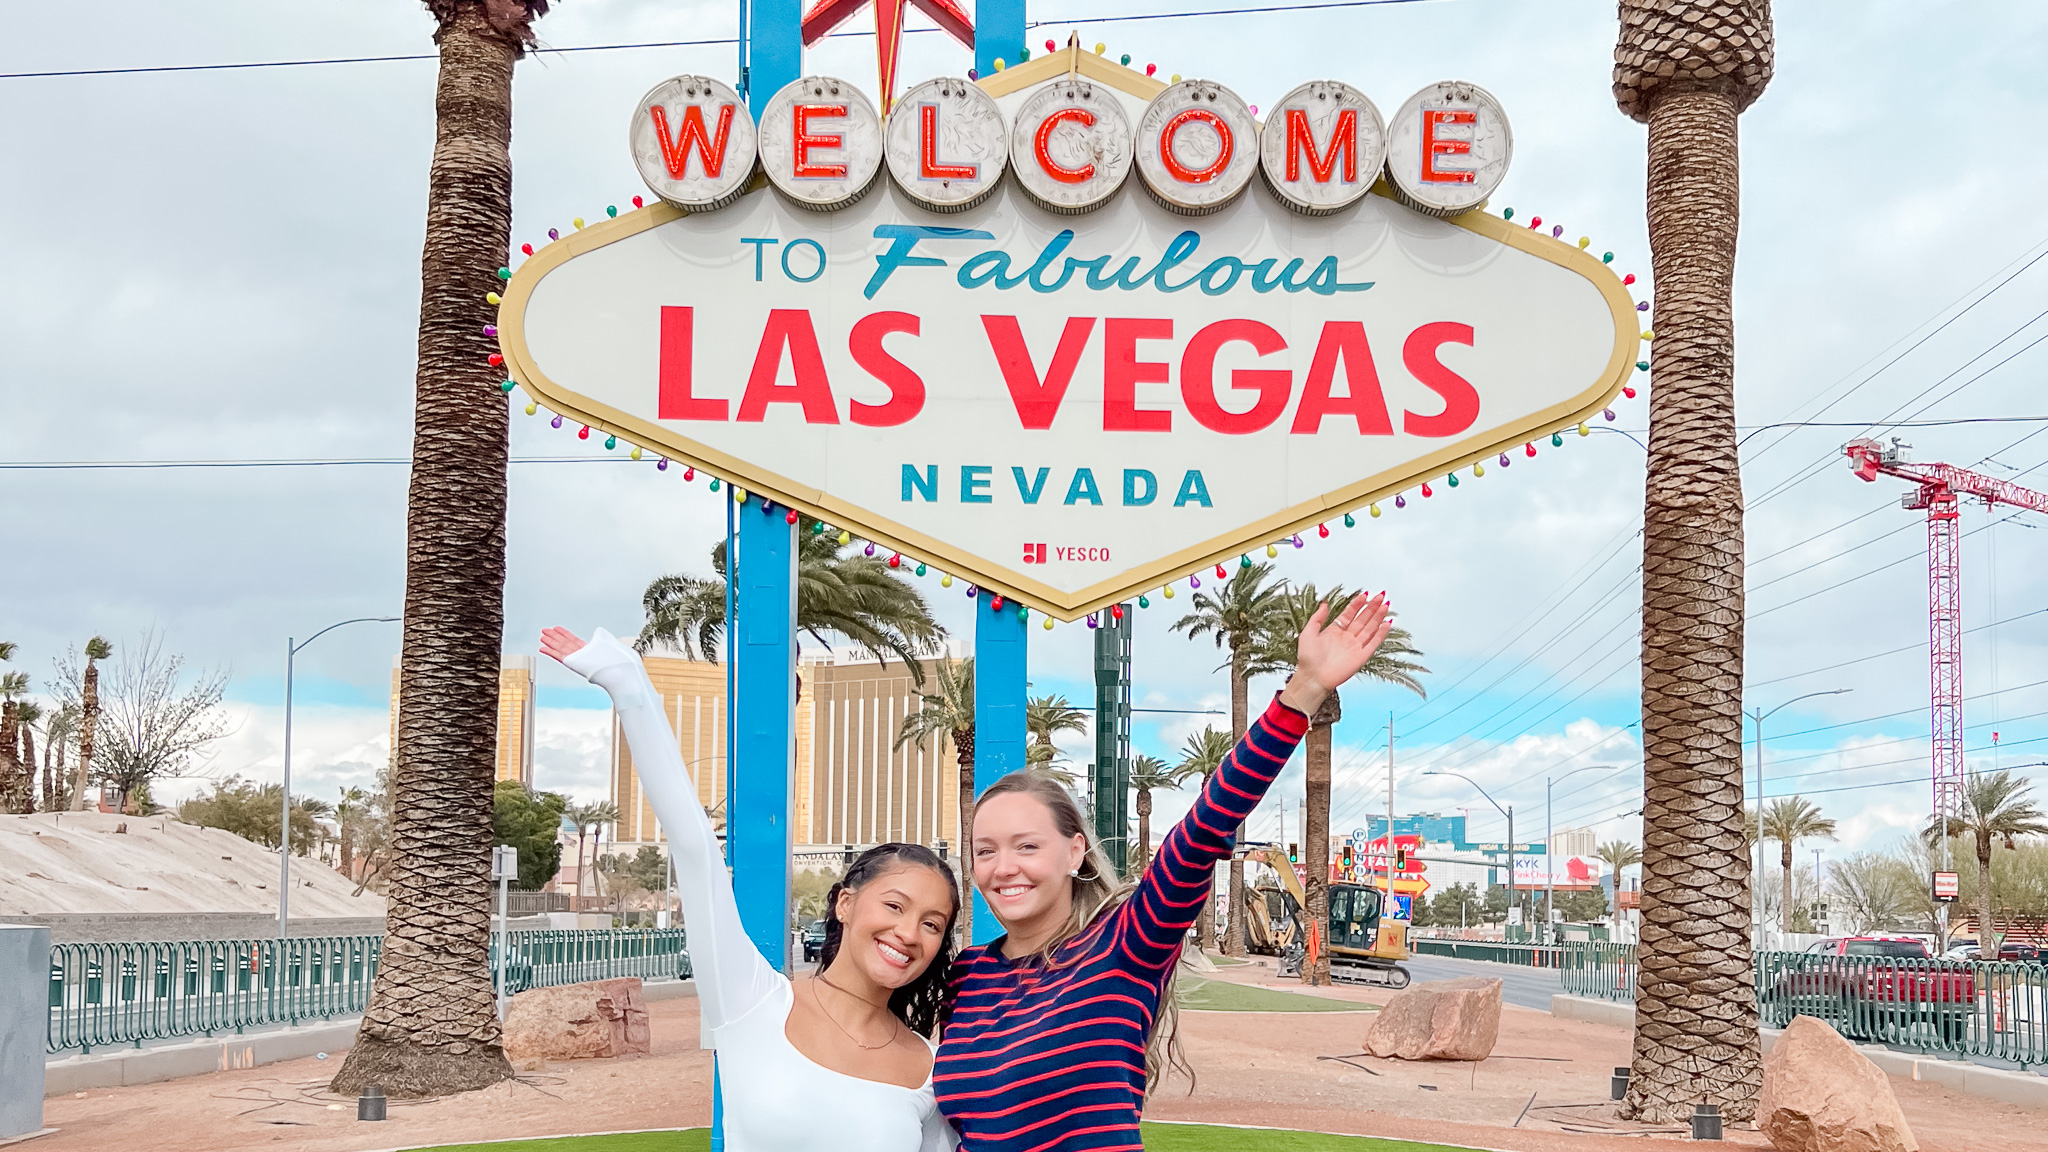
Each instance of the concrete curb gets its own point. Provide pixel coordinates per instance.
(2022, 1088)
(252, 1050)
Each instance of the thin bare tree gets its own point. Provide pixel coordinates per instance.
(1688, 68)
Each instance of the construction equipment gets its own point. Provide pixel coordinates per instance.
(1936, 488)
(1364, 947)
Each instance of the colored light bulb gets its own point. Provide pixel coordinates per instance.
(490, 329)
(1628, 279)
(578, 222)
(1642, 305)
(1091, 619)
(531, 407)
(1244, 561)
(612, 210)
(845, 537)
(1478, 470)
(1221, 574)
(1507, 213)
(526, 248)
(1144, 601)
(1151, 68)
(636, 202)
(1322, 530)
(583, 433)
(493, 298)
(995, 602)
(689, 472)
(661, 465)
(1048, 624)
(895, 560)
(1271, 551)
(555, 423)
(972, 591)
(1642, 365)
(1116, 611)
(714, 483)
(1374, 510)
(789, 517)
(920, 569)
(1556, 230)
(1529, 449)
(945, 581)
(1051, 46)
(554, 235)
(869, 549)
(1608, 413)
(505, 385)
(1297, 539)
(1167, 591)
(1127, 60)
(1453, 478)
(1556, 440)
(1426, 492)
(817, 528)
(1585, 242)
(1607, 257)
(1349, 522)
(1629, 392)
(1503, 459)
(1583, 430)
(635, 453)
(1400, 501)
(611, 442)
(1194, 581)
(504, 273)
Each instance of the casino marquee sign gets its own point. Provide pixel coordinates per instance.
(958, 330)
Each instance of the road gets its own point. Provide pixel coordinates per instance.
(1528, 987)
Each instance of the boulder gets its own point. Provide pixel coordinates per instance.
(1821, 1095)
(578, 1021)
(1440, 1020)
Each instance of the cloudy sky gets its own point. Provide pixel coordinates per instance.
(222, 265)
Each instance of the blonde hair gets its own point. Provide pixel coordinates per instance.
(1096, 889)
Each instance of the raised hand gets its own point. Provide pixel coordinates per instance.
(1329, 652)
(560, 643)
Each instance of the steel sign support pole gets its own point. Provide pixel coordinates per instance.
(999, 651)
(775, 50)
(998, 34)
(1112, 774)
(763, 645)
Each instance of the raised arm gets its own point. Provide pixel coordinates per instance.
(1169, 897)
(732, 976)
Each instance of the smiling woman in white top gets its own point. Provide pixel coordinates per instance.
(841, 1059)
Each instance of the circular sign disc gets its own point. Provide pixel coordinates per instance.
(821, 142)
(1448, 148)
(1198, 146)
(946, 145)
(693, 142)
(1071, 146)
(1322, 147)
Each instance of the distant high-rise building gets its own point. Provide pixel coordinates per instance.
(853, 785)
(514, 759)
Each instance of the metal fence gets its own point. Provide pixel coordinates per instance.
(1962, 1008)
(103, 995)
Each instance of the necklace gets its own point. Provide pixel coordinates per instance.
(820, 977)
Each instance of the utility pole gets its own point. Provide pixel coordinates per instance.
(1387, 912)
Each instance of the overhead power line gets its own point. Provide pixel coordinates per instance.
(248, 65)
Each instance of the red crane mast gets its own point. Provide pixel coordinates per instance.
(1937, 488)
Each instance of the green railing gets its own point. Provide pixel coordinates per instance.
(102, 995)
(1949, 1007)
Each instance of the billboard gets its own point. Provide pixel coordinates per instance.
(1069, 332)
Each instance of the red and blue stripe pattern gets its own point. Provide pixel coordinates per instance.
(1039, 1058)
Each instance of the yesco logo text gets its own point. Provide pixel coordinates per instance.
(1064, 553)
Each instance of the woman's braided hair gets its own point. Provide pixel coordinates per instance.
(920, 1004)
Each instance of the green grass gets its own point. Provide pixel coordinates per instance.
(1158, 1138)
(1223, 996)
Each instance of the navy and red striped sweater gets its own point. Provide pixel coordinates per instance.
(1039, 1058)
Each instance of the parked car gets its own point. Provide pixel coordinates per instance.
(2006, 951)
(1871, 987)
(814, 941)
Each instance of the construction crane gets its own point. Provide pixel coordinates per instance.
(1938, 488)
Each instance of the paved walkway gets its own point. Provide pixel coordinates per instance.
(1529, 987)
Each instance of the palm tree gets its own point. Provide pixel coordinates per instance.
(1047, 716)
(948, 714)
(1995, 807)
(96, 649)
(1618, 854)
(1688, 68)
(1148, 773)
(1045, 758)
(15, 794)
(1201, 755)
(431, 1027)
(1275, 654)
(1786, 820)
(1236, 615)
(27, 715)
(854, 595)
(58, 731)
(590, 820)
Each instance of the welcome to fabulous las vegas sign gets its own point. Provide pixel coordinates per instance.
(958, 330)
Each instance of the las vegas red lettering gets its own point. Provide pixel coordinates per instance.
(1138, 365)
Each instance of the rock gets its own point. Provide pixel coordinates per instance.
(1821, 1095)
(577, 1021)
(1440, 1020)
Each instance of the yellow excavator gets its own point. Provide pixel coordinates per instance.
(1364, 947)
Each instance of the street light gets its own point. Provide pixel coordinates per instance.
(1756, 864)
(1508, 812)
(1550, 842)
(284, 854)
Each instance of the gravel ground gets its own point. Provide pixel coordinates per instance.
(1259, 1069)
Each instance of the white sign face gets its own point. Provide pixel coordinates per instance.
(821, 142)
(946, 144)
(1121, 403)
(693, 142)
(1197, 147)
(1448, 148)
(1322, 147)
(1071, 146)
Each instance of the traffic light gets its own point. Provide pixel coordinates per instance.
(1400, 859)
(1345, 856)
(1293, 856)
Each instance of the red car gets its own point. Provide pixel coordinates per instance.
(1870, 987)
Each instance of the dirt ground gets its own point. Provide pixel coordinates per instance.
(1252, 1068)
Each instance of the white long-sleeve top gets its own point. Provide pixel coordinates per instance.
(776, 1098)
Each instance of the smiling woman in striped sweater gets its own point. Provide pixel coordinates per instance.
(1047, 1048)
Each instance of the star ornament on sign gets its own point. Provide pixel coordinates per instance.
(826, 15)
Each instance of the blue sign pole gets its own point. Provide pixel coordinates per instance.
(998, 35)
(999, 737)
(775, 50)
(762, 643)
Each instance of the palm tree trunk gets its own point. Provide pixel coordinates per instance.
(963, 747)
(1144, 846)
(12, 793)
(1785, 870)
(1695, 1037)
(1315, 835)
(88, 727)
(1233, 938)
(28, 771)
(1987, 939)
(431, 1025)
